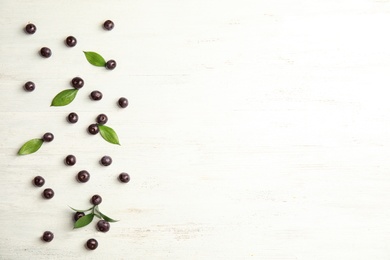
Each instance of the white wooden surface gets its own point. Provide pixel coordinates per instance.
(256, 129)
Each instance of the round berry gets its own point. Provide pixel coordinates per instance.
(47, 236)
(93, 129)
(78, 215)
(70, 41)
(48, 193)
(96, 95)
(110, 65)
(48, 137)
(83, 176)
(39, 181)
(124, 177)
(106, 160)
(108, 25)
(101, 119)
(73, 118)
(30, 28)
(103, 226)
(123, 102)
(77, 82)
(70, 160)
(96, 200)
(45, 52)
(29, 86)
(92, 244)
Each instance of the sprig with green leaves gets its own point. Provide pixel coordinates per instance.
(87, 219)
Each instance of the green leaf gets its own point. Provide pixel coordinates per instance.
(78, 210)
(95, 58)
(108, 134)
(106, 218)
(83, 221)
(64, 98)
(31, 146)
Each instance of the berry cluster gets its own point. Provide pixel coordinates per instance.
(83, 176)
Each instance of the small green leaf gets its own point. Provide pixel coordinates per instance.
(64, 98)
(108, 134)
(95, 58)
(106, 218)
(78, 210)
(83, 221)
(31, 146)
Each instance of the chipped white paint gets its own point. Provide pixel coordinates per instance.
(256, 129)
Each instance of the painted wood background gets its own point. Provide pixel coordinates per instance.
(255, 130)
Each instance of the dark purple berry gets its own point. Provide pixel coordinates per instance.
(106, 160)
(29, 86)
(83, 176)
(73, 118)
(47, 236)
(93, 129)
(108, 25)
(123, 102)
(110, 65)
(48, 137)
(96, 200)
(101, 119)
(39, 181)
(30, 28)
(103, 226)
(96, 95)
(124, 177)
(45, 52)
(70, 160)
(77, 82)
(70, 41)
(78, 215)
(92, 244)
(48, 193)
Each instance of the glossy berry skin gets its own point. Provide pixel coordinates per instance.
(96, 95)
(29, 86)
(38, 181)
(77, 82)
(83, 176)
(48, 193)
(96, 200)
(103, 226)
(48, 137)
(30, 28)
(123, 102)
(78, 215)
(124, 177)
(70, 41)
(101, 119)
(45, 52)
(73, 118)
(93, 129)
(70, 160)
(108, 25)
(92, 244)
(47, 236)
(111, 64)
(106, 160)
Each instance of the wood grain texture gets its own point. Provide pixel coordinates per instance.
(256, 129)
